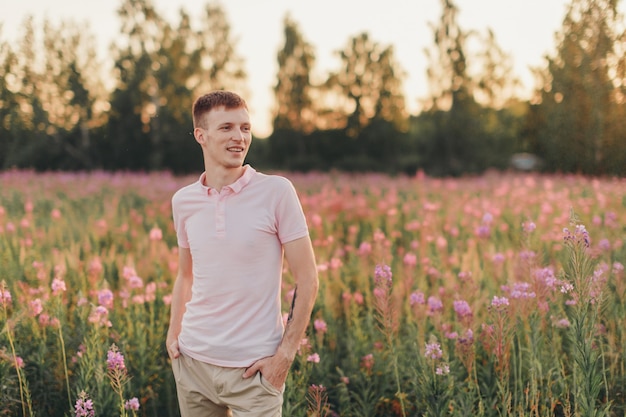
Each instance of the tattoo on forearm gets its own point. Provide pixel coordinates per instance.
(293, 302)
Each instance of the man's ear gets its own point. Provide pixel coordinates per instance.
(199, 135)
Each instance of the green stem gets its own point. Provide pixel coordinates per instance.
(24, 392)
(399, 393)
(67, 377)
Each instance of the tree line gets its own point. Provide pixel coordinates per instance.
(59, 112)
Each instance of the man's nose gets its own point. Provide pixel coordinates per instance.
(240, 135)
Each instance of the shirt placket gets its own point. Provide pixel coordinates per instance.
(220, 212)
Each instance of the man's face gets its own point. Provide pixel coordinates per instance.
(227, 136)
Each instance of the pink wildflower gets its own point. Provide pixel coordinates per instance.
(320, 326)
(528, 226)
(95, 267)
(434, 304)
(498, 258)
(382, 276)
(444, 369)
(335, 263)
(19, 362)
(315, 358)
(499, 302)
(5, 297)
(579, 236)
(410, 259)
(132, 404)
(100, 316)
(417, 297)
(115, 360)
(433, 351)
(167, 299)
(84, 406)
(462, 308)
(365, 249)
(468, 338)
(135, 282)
(128, 272)
(546, 276)
(150, 292)
(562, 323)
(36, 307)
(604, 245)
(105, 298)
(358, 298)
(465, 275)
(58, 286)
(521, 290)
(379, 292)
(316, 220)
(156, 234)
(566, 287)
(367, 361)
(483, 231)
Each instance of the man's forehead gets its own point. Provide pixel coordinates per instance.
(224, 115)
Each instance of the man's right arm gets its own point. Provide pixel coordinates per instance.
(181, 294)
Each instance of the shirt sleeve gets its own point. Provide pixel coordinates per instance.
(290, 217)
(179, 225)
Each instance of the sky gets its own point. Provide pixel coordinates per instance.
(523, 28)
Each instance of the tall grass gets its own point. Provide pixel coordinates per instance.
(477, 296)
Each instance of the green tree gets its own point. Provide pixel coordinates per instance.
(467, 126)
(294, 112)
(452, 113)
(161, 69)
(293, 90)
(582, 95)
(8, 101)
(71, 86)
(27, 119)
(221, 66)
(134, 101)
(51, 93)
(496, 83)
(368, 85)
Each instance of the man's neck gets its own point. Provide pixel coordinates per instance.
(221, 177)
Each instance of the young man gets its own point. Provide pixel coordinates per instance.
(230, 351)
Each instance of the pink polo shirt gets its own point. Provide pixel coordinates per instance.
(235, 236)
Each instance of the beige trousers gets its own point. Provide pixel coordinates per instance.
(206, 390)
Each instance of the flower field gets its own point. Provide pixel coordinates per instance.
(496, 295)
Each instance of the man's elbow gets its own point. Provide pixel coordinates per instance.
(313, 283)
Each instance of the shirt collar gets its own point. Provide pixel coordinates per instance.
(248, 173)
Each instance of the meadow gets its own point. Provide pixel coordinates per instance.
(495, 295)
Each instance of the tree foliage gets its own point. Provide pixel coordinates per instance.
(52, 98)
(161, 69)
(293, 91)
(582, 95)
(466, 126)
(60, 109)
(368, 85)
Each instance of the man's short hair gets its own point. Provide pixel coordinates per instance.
(214, 99)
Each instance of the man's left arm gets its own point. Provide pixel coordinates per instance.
(301, 260)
